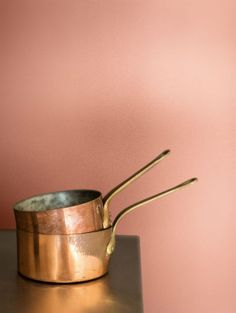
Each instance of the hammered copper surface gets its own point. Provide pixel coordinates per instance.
(118, 292)
(63, 258)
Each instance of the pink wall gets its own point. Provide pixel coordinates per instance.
(92, 90)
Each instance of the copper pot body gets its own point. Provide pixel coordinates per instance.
(63, 258)
(63, 212)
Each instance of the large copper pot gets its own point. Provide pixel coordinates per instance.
(68, 236)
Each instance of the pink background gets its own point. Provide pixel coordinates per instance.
(92, 90)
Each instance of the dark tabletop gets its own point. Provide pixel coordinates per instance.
(118, 291)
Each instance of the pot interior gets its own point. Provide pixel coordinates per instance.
(57, 200)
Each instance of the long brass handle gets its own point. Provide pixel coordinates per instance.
(125, 183)
(111, 245)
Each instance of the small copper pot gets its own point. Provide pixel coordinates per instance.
(68, 236)
(72, 211)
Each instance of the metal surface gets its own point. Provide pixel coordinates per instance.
(64, 212)
(63, 258)
(118, 291)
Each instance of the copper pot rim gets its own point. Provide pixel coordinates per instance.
(20, 202)
(91, 233)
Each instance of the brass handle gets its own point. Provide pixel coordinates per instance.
(111, 244)
(125, 183)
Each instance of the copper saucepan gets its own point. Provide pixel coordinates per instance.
(72, 211)
(56, 251)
